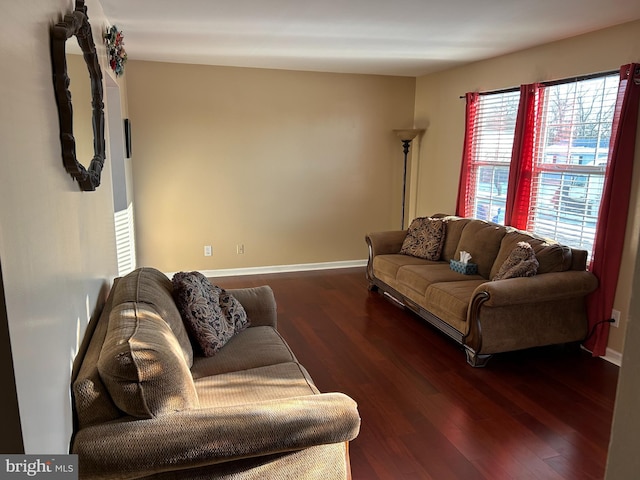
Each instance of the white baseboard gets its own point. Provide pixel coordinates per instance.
(303, 267)
(610, 356)
(613, 357)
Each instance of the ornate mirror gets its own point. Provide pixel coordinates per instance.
(76, 24)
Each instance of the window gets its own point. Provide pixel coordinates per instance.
(567, 129)
(491, 155)
(570, 160)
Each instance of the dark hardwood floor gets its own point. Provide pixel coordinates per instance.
(537, 414)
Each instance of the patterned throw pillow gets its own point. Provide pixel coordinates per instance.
(424, 239)
(212, 316)
(521, 262)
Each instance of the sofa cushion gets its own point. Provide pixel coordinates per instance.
(385, 267)
(419, 277)
(211, 315)
(91, 399)
(251, 348)
(424, 238)
(521, 262)
(482, 240)
(272, 382)
(148, 285)
(450, 301)
(453, 231)
(142, 365)
(552, 257)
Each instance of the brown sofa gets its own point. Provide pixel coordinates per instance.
(485, 316)
(250, 411)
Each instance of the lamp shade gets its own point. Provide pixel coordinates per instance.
(407, 135)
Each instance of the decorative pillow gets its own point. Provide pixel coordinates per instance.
(424, 239)
(521, 262)
(552, 256)
(212, 316)
(142, 365)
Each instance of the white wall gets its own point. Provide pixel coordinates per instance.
(57, 244)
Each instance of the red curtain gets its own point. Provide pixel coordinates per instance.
(523, 157)
(465, 171)
(614, 208)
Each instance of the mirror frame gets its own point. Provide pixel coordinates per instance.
(77, 24)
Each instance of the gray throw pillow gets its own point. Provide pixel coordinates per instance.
(212, 316)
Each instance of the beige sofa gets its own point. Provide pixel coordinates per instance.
(485, 316)
(251, 411)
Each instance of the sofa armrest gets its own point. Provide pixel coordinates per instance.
(539, 288)
(381, 243)
(518, 313)
(259, 303)
(193, 438)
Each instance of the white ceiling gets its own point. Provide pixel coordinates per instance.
(400, 37)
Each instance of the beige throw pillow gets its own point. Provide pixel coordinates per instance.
(521, 262)
(142, 365)
(424, 239)
(151, 286)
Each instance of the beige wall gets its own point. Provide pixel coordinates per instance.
(296, 166)
(57, 244)
(284, 162)
(438, 104)
(623, 461)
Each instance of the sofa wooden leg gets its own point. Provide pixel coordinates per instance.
(477, 360)
(372, 287)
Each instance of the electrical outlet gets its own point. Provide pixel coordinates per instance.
(240, 248)
(208, 251)
(615, 314)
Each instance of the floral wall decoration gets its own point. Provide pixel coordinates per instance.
(114, 40)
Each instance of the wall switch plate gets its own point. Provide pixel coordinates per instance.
(615, 314)
(240, 248)
(208, 251)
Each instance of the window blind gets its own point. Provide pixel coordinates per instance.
(570, 159)
(491, 146)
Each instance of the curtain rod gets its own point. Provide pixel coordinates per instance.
(551, 82)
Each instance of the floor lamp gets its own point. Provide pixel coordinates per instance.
(406, 136)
